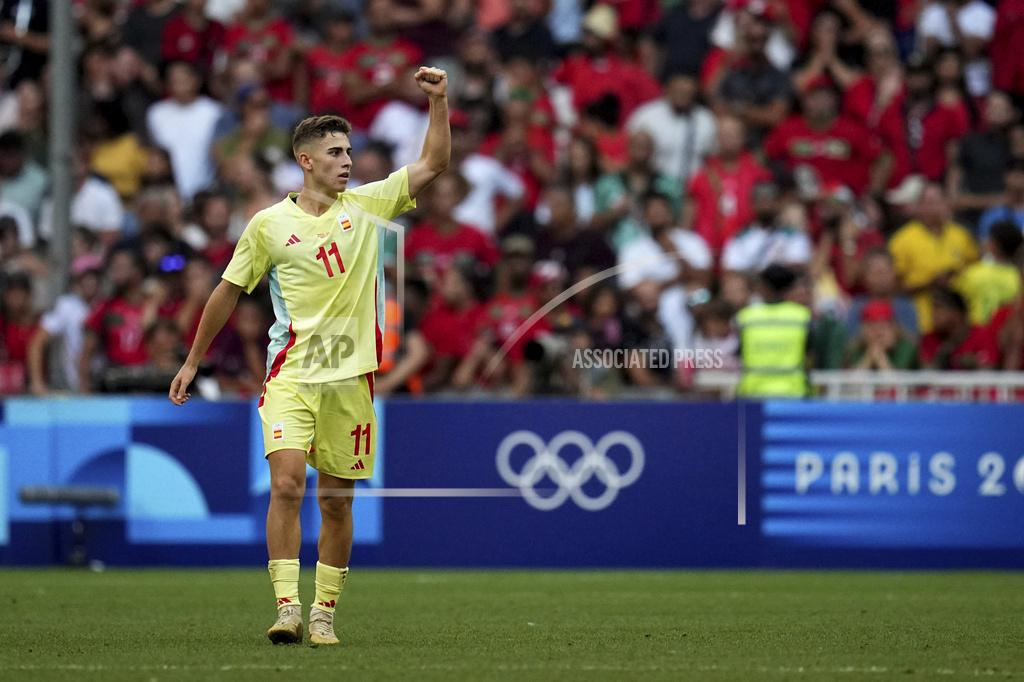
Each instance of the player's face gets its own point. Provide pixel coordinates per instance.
(329, 162)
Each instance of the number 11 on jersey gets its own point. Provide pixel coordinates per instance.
(324, 254)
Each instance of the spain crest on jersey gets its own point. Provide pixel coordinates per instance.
(345, 222)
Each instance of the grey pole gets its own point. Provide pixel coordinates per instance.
(61, 136)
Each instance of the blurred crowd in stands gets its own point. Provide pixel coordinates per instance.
(629, 166)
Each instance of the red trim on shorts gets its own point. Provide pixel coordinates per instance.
(369, 382)
(275, 367)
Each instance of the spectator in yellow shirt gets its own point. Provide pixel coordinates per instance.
(930, 251)
(994, 280)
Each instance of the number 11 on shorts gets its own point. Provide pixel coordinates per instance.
(361, 431)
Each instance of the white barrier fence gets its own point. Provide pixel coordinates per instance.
(895, 386)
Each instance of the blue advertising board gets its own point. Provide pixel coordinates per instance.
(541, 483)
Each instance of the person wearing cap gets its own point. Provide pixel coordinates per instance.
(774, 340)
(995, 279)
(930, 250)
(838, 150)
(954, 343)
(881, 343)
(598, 70)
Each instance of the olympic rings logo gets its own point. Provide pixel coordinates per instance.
(570, 479)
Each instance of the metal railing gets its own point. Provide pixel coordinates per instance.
(895, 385)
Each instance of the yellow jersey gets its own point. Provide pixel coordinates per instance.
(326, 279)
(986, 286)
(919, 255)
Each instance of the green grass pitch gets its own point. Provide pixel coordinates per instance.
(518, 625)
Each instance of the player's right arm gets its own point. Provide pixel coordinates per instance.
(215, 315)
(249, 263)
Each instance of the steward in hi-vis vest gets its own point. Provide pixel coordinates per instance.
(774, 340)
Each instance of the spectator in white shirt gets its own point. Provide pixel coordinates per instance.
(683, 131)
(773, 238)
(184, 124)
(64, 322)
(95, 204)
(488, 179)
(675, 260)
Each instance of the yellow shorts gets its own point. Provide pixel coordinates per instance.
(333, 423)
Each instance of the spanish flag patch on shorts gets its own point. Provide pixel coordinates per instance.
(279, 431)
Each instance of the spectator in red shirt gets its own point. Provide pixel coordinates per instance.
(116, 327)
(911, 122)
(954, 343)
(440, 241)
(597, 71)
(721, 189)
(18, 323)
(1005, 48)
(325, 66)
(504, 322)
(267, 40)
(376, 69)
(450, 325)
(635, 15)
(189, 36)
(839, 150)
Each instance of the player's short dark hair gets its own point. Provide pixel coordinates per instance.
(317, 127)
(1007, 238)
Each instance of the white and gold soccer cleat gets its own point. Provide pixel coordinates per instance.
(288, 627)
(321, 628)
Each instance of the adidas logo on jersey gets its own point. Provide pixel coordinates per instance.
(294, 239)
(358, 466)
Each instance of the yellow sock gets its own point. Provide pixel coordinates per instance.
(330, 581)
(284, 574)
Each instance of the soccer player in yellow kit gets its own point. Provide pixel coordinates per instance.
(320, 248)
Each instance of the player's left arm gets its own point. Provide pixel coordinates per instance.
(437, 147)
